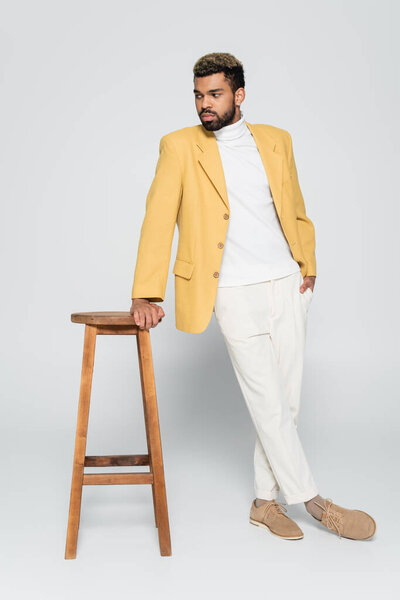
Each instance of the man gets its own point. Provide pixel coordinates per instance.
(246, 252)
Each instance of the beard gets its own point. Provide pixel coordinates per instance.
(218, 122)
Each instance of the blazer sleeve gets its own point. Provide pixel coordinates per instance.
(305, 226)
(157, 231)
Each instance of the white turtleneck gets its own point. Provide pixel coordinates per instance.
(255, 248)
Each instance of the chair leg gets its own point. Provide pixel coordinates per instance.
(80, 440)
(154, 439)
(153, 490)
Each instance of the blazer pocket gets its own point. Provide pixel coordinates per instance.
(183, 268)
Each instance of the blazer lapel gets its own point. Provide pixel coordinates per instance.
(272, 161)
(210, 160)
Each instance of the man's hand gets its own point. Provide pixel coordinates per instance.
(145, 313)
(308, 282)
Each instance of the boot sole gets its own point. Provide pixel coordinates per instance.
(347, 537)
(283, 537)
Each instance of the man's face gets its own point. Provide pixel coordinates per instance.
(215, 101)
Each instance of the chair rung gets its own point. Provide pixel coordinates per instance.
(117, 460)
(116, 478)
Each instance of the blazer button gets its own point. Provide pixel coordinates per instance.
(220, 245)
(216, 274)
(226, 216)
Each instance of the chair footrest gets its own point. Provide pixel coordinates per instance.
(117, 460)
(116, 478)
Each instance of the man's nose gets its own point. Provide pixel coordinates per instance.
(205, 104)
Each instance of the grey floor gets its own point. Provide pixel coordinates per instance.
(215, 551)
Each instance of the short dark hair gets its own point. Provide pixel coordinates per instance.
(221, 62)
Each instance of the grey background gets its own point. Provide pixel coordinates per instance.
(87, 90)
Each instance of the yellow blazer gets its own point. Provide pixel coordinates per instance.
(189, 190)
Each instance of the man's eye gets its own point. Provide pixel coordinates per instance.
(198, 96)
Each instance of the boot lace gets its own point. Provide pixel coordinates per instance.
(331, 518)
(274, 507)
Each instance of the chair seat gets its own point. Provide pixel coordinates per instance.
(103, 318)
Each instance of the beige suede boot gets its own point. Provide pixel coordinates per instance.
(270, 516)
(348, 523)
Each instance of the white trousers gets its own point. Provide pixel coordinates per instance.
(264, 329)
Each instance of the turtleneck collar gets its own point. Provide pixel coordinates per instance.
(232, 131)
